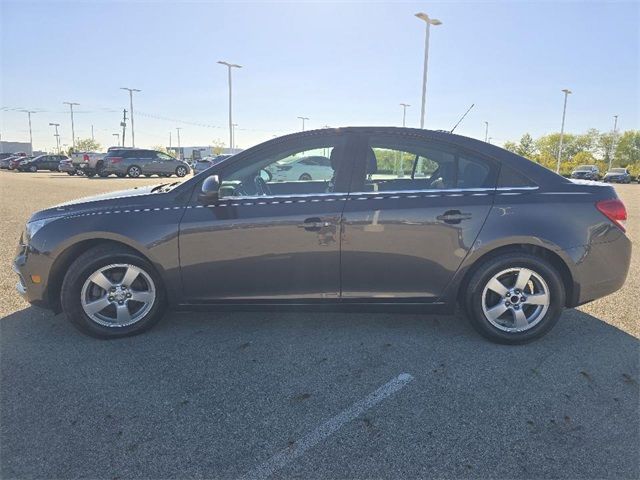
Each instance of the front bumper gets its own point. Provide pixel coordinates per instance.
(26, 265)
(66, 167)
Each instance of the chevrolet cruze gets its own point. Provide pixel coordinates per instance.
(408, 218)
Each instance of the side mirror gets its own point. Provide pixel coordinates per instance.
(210, 188)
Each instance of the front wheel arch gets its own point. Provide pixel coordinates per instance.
(67, 256)
(549, 255)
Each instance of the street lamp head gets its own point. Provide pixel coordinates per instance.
(54, 124)
(230, 65)
(430, 21)
(567, 91)
(405, 105)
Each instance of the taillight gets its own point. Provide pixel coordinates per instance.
(614, 210)
(85, 157)
(116, 159)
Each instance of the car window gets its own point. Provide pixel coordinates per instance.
(164, 156)
(396, 164)
(512, 178)
(279, 171)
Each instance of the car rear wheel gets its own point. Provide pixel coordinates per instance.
(305, 177)
(71, 173)
(515, 298)
(33, 168)
(181, 171)
(134, 171)
(110, 292)
(121, 175)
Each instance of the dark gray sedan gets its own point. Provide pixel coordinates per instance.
(409, 219)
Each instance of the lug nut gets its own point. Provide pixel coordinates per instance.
(508, 304)
(111, 299)
(516, 307)
(128, 295)
(121, 302)
(523, 298)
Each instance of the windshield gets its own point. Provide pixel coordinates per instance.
(584, 168)
(618, 170)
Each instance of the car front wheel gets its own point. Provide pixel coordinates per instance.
(515, 298)
(181, 171)
(110, 292)
(134, 171)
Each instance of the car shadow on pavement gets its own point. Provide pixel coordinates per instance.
(215, 394)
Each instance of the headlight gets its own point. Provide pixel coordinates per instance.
(32, 227)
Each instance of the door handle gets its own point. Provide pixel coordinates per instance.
(453, 216)
(314, 224)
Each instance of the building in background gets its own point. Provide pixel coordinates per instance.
(13, 147)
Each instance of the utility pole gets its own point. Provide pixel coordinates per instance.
(613, 140)
(229, 67)
(428, 21)
(169, 140)
(117, 135)
(564, 112)
(92, 137)
(133, 135)
(73, 133)
(57, 135)
(234, 125)
(179, 151)
(404, 113)
(29, 112)
(123, 124)
(486, 131)
(303, 120)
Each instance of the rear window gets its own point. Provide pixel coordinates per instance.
(512, 178)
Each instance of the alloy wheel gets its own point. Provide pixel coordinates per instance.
(181, 171)
(118, 295)
(515, 299)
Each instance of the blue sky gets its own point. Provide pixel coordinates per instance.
(338, 63)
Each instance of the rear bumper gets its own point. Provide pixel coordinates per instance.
(599, 269)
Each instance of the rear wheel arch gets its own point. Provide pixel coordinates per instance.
(552, 257)
(67, 257)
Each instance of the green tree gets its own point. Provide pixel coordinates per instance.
(87, 145)
(160, 148)
(217, 146)
(527, 147)
(628, 149)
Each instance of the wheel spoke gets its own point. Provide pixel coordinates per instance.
(103, 282)
(520, 319)
(123, 315)
(494, 312)
(144, 297)
(130, 275)
(497, 287)
(97, 305)
(537, 299)
(524, 275)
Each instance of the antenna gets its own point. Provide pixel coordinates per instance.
(462, 118)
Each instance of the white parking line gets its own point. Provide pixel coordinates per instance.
(284, 457)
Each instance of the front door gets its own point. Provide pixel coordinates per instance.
(414, 212)
(268, 237)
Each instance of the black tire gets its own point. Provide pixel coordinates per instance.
(121, 175)
(71, 173)
(485, 271)
(181, 171)
(83, 267)
(134, 171)
(90, 173)
(305, 177)
(33, 168)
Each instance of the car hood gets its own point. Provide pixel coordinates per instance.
(133, 196)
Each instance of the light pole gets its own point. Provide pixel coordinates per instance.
(486, 131)
(92, 137)
(428, 21)
(303, 120)
(229, 67)
(234, 125)
(404, 113)
(117, 135)
(131, 90)
(564, 112)
(73, 133)
(29, 112)
(57, 135)
(179, 152)
(613, 140)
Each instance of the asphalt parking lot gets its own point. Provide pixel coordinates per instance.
(310, 394)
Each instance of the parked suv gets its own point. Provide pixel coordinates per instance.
(617, 175)
(586, 172)
(135, 162)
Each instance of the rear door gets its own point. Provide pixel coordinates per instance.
(415, 210)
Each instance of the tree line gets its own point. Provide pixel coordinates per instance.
(590, 148)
